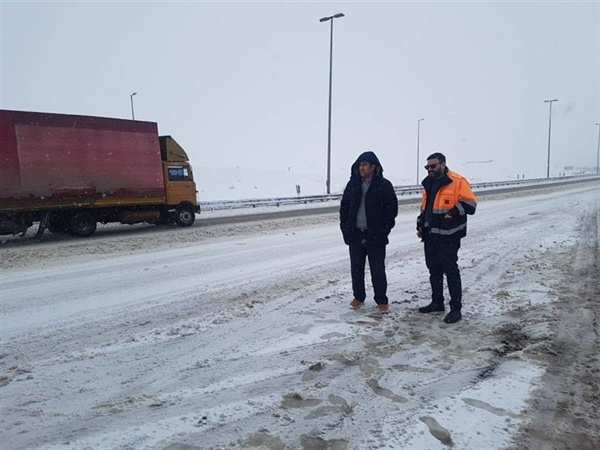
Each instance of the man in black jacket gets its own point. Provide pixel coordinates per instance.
(368, 211)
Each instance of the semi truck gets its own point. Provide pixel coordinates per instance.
(69, 172)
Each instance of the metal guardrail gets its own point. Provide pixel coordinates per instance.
(401, 191)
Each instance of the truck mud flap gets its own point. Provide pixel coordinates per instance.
(42, 227)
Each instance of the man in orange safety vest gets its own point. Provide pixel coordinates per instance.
(447, 200)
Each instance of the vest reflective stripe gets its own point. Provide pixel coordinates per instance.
(448, 232)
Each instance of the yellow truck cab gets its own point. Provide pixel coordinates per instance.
(180, 188)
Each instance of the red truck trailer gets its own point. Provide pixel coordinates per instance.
(70, 172)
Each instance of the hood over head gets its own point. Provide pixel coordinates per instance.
(370, 157)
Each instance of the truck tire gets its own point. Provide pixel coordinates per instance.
(185, 215)
(57, 223)
(82, 224)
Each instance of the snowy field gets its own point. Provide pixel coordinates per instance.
(239, 336)
(236, 183)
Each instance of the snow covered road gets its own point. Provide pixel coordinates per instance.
(239, 336)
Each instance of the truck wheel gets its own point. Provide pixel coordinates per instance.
(82, 224)
(57, 223)
(185, 215)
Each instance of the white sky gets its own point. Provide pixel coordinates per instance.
(246, 83)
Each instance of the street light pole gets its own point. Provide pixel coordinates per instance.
(330, 19)
(549, 130)
(131, 99)
(598, 152)
(418, 139)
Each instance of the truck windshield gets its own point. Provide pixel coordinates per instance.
(179, 173)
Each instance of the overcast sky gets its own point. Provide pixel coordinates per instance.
(246, 83)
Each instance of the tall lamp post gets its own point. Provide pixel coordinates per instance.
(418, 139)
(131, 99)
(330, 19)
(598, 152)
(549, 130)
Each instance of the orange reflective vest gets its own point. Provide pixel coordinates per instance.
(454, 198)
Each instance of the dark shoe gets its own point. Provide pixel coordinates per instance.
(355, 304)
(432, 307)
(453, 316)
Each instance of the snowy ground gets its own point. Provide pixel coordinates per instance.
(239, 336)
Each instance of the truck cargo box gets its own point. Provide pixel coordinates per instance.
(65, 160)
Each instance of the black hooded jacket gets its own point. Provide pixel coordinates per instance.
(381, 204)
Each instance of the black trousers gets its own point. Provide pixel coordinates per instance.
(359, 252)
(441, 258)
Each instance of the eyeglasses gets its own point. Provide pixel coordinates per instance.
(431, 166)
